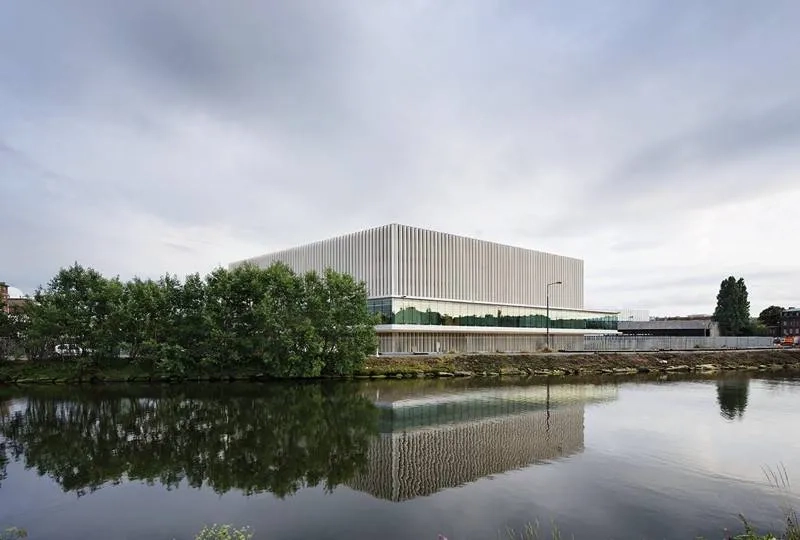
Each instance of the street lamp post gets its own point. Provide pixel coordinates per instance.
(547, 316)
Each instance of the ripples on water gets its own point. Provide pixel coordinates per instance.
(657, 458)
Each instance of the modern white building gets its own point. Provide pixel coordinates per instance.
(438, 292)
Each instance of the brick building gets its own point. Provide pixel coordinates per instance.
(790, 322)
(4, 296)
(7, 303)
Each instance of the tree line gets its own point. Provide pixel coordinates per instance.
(284, 324)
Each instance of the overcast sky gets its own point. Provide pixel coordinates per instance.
(657, 140)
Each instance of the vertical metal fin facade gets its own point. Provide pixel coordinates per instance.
(398, 260)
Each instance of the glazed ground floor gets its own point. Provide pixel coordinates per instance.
(459, 313)
(427, 339)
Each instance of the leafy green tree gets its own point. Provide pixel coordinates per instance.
(771, 316)
(189, 329)
(79, 306)
(239, 334)
(293, 346)
(272, 319)
(755, 328)
(142, 316)
(733, 308)
(7, 332)
(348, 333)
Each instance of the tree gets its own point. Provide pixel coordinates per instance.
(349, 334)
(143, 316)
(271, 319)
(6, 332)
(79, 306)
(733, 308)
(771, 316)
(13, 329)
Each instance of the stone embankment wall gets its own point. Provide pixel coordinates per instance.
(582, 363)
(468, 365)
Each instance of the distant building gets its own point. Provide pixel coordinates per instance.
(4, 296)
(683, 327)
(625, 314)
(438, 292)
(790, 322)
(9, 304)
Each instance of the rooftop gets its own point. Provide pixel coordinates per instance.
(407, 227)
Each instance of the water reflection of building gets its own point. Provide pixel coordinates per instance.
(433, 442)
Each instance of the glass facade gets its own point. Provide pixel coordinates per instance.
(434, 312)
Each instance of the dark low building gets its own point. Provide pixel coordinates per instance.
(790, 322)
(670, 327)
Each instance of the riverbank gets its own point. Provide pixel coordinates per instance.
(467, 365)
(587, 363)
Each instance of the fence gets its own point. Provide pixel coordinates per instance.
(673, 343)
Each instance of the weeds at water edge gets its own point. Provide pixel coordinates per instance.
(13, 534)
(779, 479)
(531, 532)
(224, 532)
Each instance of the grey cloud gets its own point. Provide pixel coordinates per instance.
(697, 168)
(682, 303)
(697, 279)
(283, 122)
(632, 245)
(180, 247)
(729, 140)
(661, 284)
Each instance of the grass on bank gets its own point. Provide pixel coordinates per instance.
(78, 370)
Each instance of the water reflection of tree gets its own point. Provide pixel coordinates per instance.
(3, 462)
(279, 439)
(732, 397)
(4, 413)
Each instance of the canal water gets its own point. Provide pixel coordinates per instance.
(660, 458)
